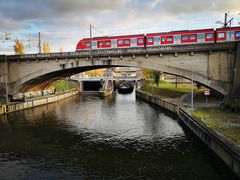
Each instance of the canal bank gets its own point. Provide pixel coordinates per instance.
(227, 153)
(90, 137)
(29, 103)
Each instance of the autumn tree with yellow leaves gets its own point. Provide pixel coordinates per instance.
(152, 75)
(46, 48)
(97, 72)
(18, 47)
(60, 49)
(147, 73)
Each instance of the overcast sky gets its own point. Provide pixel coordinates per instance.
(63, 23)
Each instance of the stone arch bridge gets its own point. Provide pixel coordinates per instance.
(215, 65)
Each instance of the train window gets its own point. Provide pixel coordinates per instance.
(192, 37)
(114, 42)
(94, 44)
(126, 41)
(238, 34)
(163, 39)
(140, 41)
(221, 35)
(150, 39)
(185, 37)
(100, 43)
(209, 36)
(134, 40)
(169, 38)
(156, 39)
(88, 44)
(108, 43)
(120, 41)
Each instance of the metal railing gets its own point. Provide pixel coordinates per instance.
(228, 153)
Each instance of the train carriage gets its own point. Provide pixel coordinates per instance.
(180, 37)
(126, 41)
(228, 34)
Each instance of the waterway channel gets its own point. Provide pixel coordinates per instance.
(89, 137)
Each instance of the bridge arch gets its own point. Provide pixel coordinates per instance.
(209, 64)
(44, 77)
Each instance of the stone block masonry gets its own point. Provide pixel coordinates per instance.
(228, 154)
(4, 109)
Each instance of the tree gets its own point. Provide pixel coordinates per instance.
(18, 47)
(153, 75)
(198, 85)
(156, 75)
(147, 73)
(97, 72)
(46, 48)
(60, 49)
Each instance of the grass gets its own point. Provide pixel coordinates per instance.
(167, 90)
(224, 122)
(200, 114)
(63, 85)
(180, 87)
(232, 117)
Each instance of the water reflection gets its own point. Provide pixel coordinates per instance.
(89, 137)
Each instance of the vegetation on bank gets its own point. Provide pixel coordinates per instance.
(63, 85)
(167, 90)
(223, 122)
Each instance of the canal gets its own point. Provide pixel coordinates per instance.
(89, 137)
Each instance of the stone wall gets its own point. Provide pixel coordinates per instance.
(35, 102)
(228, 154)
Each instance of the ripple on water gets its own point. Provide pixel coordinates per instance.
(89, 137)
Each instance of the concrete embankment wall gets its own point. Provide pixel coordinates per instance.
(35, 102)
(229, 155)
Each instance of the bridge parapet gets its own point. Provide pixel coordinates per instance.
(127, 51)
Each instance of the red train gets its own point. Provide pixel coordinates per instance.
(162, 39)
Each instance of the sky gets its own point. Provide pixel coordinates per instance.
(62, 23)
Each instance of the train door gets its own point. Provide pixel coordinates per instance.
(94, 44)
(177, 39)
(114, 43)
(133, 42)
(157, 41)
(230, 35)
(201, 38)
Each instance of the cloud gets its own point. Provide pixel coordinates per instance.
(8, 23)
(186, 7)
(28, 9)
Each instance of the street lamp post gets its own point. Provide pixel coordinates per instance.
(239, 18)
(192, 92)
(152, 84)
(91, 41)
(67, 83)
